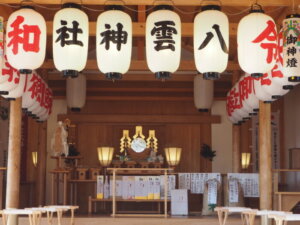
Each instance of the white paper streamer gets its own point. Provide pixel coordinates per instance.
(212, 186)
(233, 191)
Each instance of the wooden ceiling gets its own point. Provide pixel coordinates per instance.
(139, 83)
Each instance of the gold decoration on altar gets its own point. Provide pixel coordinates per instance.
(138, 132)
(125, 141)
(152, 141)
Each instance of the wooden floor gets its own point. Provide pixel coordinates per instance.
(141, 221)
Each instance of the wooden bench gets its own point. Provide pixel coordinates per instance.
(249, 216)
(33, 215)
(93, 200)
(223, 213)
(283, 219)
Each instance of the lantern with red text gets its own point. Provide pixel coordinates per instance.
(1, 40)
(248, 92)
(230, 108)
(260, 93)
(240, 108)
(211, 41)
(70, 39)
(272, 88)
(76, 92)
(203, 93)
(257, 43)
(26, 39)
(245, 92)
(18, 90)
(291, 46)
(114, 42)
(11, 80)
(163, 41)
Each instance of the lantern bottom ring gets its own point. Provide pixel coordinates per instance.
(246, 118)
(294, 79)
(74, 109)
(287, 87)
(267, 102)
(276, 96)
(252, 114)
(163, 75)
(3, 92)
(211, 76)
(113, 76)
(70, 73)
(257, 75)
(255, 110)
(10, 99)
(202, 110)
(25, 71)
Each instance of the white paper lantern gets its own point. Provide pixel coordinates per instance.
(230, 108)
(291, 46)
(26, 39)
(1, 42)
(12, 78)
(248, 93)
(211, 41)
(244, 93)
(272, 88)
(203, 93)
(28, 98)
(257, 43)
(163, 42)
(114, 43)
(70, 39)
(19, 90)
(76, 92)
(260, 93)
(277, 71)
(240, 108)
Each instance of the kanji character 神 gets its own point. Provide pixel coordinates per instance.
(117, 37)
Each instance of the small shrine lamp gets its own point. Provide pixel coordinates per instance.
(245, 160)
(173, 155)
(105, 155)
(34, 158)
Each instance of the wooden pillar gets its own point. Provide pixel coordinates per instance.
(265, 157)
(236, 136)
(236, 146)
(205, 132)
(14, 158)
(41, 169)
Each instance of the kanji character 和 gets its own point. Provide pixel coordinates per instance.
(23, 36)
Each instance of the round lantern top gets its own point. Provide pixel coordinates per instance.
(290, 16)
(258, 9)
(211, 7)
(163, 7)
(71, 5)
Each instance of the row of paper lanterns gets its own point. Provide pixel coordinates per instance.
(36, 96)
(256, 37)
(243, 98)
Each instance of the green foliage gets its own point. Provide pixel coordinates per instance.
(207, 152)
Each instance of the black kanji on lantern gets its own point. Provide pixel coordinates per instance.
(163, 32)
(291, 39)
(64, 34)
(292, 62)
(291, 51)
(210, 35)
(117, 37)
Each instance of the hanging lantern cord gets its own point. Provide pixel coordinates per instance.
(256, 7)
(62, 2)
(210, 2)
(109, 2)
(26, 2)
(293, 7)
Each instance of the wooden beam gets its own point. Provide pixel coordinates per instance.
(141, 65)
(246, 3)
(102, 118)
(138, 29)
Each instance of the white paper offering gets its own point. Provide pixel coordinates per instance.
(212, 186)
(233, 191)
(249, 182)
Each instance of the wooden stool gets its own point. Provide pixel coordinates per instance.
(63, 208)
(224, 211)
(283, 219)
(33, 215)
